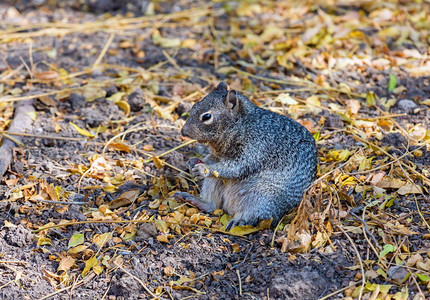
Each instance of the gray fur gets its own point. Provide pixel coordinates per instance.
(264, 160)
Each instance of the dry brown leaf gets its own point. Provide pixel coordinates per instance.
(410, 188)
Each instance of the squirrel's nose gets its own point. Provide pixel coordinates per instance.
(184, 130)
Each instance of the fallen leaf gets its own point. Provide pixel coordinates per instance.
(82, 131)
(76, 239)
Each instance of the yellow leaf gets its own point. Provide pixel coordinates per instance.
(91, 93)
(314, 104)
(162, 238)
(425, 102)
(286, 99)
(271, 32)
(116, 97)
(101, 239)
(243, 230)
(89, 264)
(188, 43)
(98, 269)
(159, 163)
(81, 131)
(77, 249)
(124, 106)
(338, 155)
(32, 115)
(44, 241)
(320, 239)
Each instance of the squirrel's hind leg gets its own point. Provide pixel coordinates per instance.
(195, 201)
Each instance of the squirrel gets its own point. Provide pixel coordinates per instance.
(260, 162)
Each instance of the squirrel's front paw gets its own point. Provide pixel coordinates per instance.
(200, 171)
(193, 162)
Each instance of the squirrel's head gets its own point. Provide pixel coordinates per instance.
(212, 116)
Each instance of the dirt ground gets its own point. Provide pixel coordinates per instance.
(111, 86)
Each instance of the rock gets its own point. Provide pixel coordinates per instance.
(395, 139)
(407, 105)
(19, 236)
(136, 100)
(76, 101)
(334, 121)
(397, 273)
(146, 231)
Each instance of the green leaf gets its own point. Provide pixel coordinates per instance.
(422, 277)
(392, 82)
(76, 239)
(387, 249)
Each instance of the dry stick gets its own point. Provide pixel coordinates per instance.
(172, 61)
(132, 221)
(359, 259)
(12, 73)
(58, 202)
(104, 50)
(6, 284)
(13, 262)
(41, 136)
(79, 283)
(240, 282)
(337, 292)
(135, 278)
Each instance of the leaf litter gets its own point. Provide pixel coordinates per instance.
(86, 205)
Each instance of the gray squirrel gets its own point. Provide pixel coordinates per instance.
(260, 162)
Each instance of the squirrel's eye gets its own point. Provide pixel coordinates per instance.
(206, 117)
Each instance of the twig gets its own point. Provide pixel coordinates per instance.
(79, 283)
(104, 50)
(359, 259)
(172, 61)
(6, 284)
(178, 147)
(240, 282)
(337, 292)
(41, 136)
(59, 202)
(135, 278)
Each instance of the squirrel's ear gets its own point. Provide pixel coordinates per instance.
(231, 101)
(222, 86)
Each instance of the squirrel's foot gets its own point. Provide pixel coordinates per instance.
(194, 201)
(200, 171)
(238, 222)
(192, 162)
